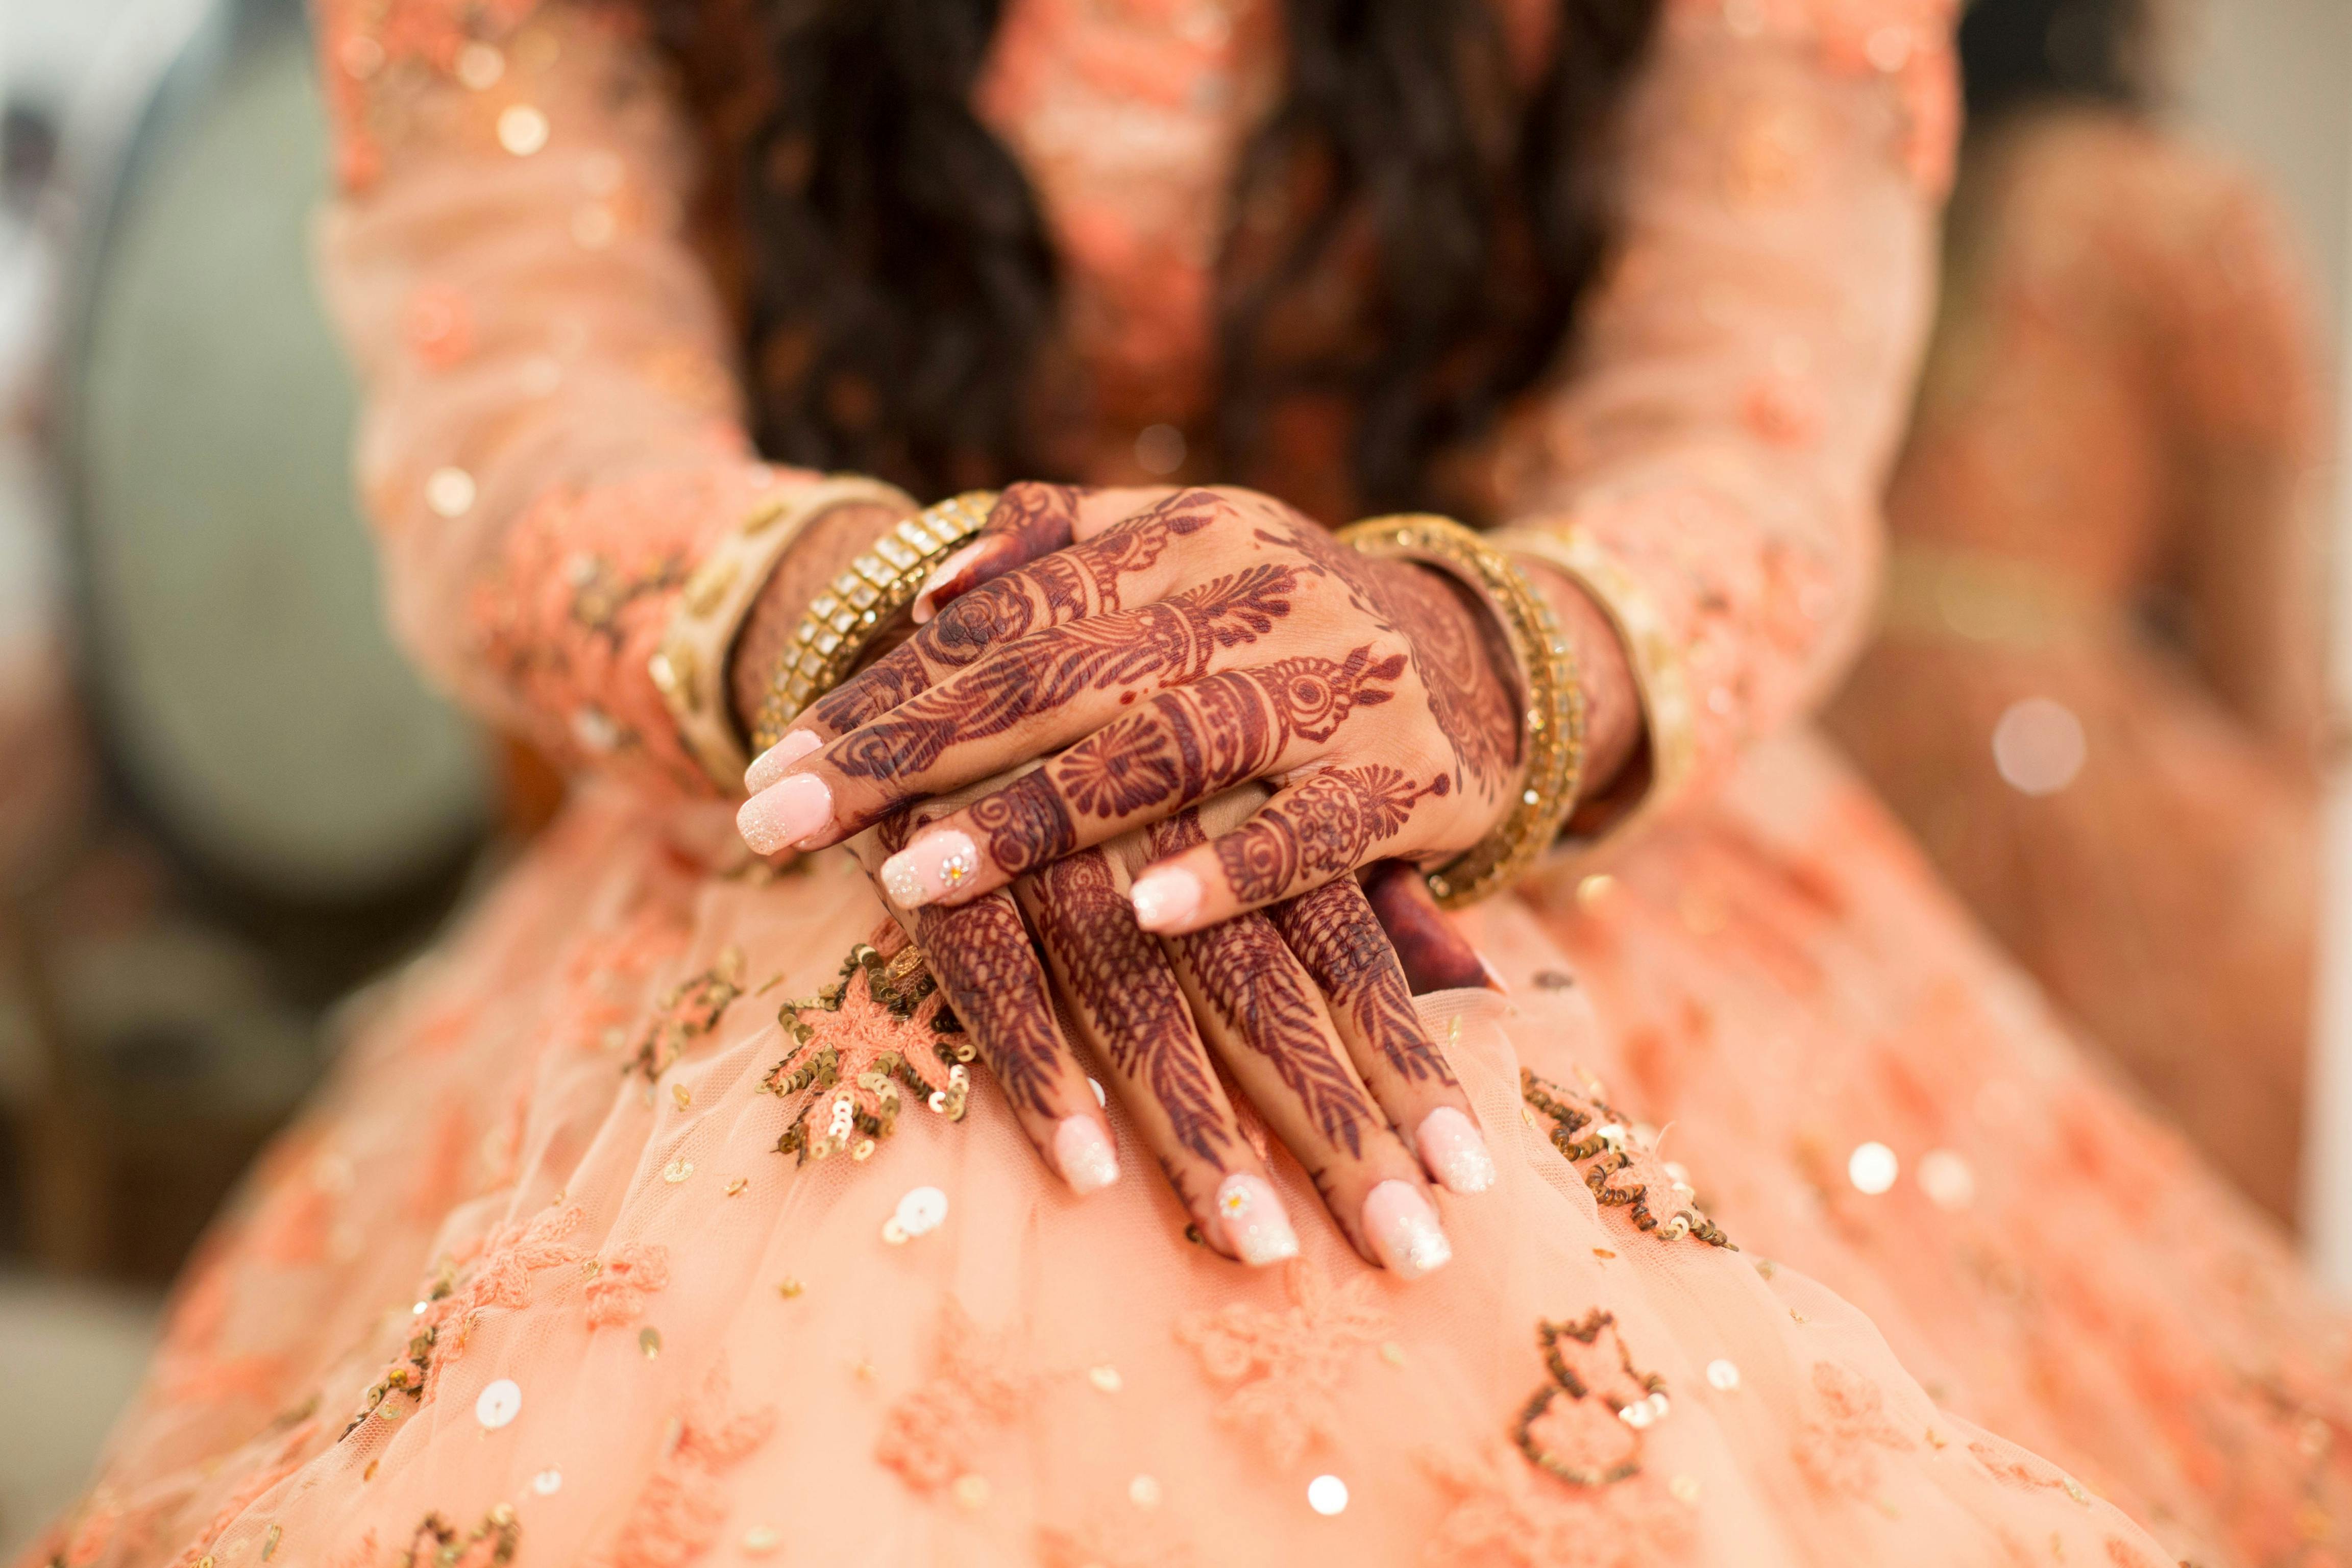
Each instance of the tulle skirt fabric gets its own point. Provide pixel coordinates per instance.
(532, 1283)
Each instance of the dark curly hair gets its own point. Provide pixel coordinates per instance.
(898, 290)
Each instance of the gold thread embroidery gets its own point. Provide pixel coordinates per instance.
(861, 1088)
(1637, 1413)
(1606, 1153)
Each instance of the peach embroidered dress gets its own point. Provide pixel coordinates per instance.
(532, 1282)
(2120, 416)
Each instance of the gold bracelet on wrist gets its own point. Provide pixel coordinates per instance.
(689, 669)
(842, 622)
(1553, 720)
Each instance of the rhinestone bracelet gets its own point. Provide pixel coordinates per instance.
(842, 623)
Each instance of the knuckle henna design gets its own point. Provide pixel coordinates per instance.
(980, 952)
(1339, 941)
(1324, 825)
(1454, 656)
(1186, 744)
(1263, 996)
(1116, 972)
(1039, 580)
(1165, 643)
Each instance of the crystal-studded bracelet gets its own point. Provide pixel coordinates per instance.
(842, 622)
(1553, 719)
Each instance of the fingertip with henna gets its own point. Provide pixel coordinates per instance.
(1083, 1151)
(1404, 1231)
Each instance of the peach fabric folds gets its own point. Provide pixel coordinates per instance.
(655, 1219)
(2096, 695)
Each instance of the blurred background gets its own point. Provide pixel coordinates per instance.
(225, 803)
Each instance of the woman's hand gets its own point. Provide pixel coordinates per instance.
(1158, 657)
(1303, 1006)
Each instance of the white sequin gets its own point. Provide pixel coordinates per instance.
(923, 1210)
(498, 1404)
(523, 129)
(2039, 746)
(1872, 1168)
(1946, 1179)
(449, 493)
(548, 1482)
(481, 66)
(1327, 1495)
(1722, 1374)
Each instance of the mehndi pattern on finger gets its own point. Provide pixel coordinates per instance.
(1120, 976)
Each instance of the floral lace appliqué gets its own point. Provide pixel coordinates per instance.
(1285, 1367)
(857, 1048)
(624, 1278)
(684, 1506)
(1838, 1451)
(495, 1272)
(692, 1009)
(978, 1384)
(1622, 1171)
(1507, 1514)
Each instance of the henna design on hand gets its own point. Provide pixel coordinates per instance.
(1183, 746)
(1339, 939)
(1029, 521)
(1265, 1000)
(980, 954)
(1324, 825)
(1164, 643)
(1063, 586)
(1457, 651)
(1117, 973)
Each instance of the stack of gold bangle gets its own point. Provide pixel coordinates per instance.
(842, 623)
(1554, 718)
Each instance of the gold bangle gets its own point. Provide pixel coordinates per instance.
(1553, 720)
(842, 622)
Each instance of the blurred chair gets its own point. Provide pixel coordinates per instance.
(284, 808)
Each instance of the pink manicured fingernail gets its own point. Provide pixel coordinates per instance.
(1256, 1226)
(1083, 1151)
(1405, 1230)
(770, 765)
(941, 577)
(934, 864)
(1495, 979)
(785, 812)
(1453, 1151)
(1165, 898)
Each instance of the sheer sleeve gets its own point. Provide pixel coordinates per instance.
(570, 516)
(2244, 391)
(1709, 466)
